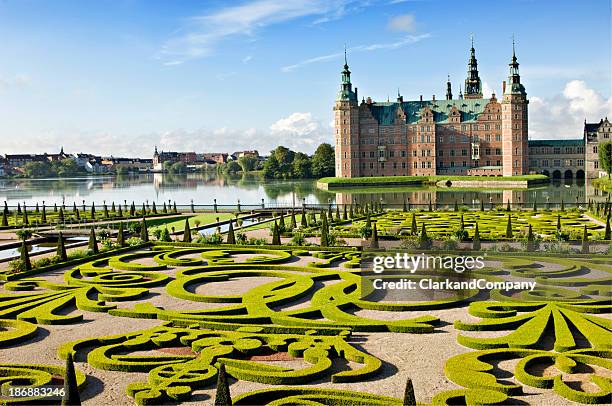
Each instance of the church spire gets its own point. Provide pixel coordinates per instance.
(473, 85)
(449, 91)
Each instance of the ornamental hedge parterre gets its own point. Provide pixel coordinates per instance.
(562, 325)
(492, 225)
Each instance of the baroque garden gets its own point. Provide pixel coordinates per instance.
(275, 311)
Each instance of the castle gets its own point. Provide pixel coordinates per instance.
(468, 135)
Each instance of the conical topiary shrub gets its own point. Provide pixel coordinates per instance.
(187, 232)
(608, 232)
(558, 222)
(120, 236)
(61, 248)
(93, 242)
(413, 226)
(293, 222)
(25, 256)
(71, 390)
(304, 222)
(222, 395)
(530, 239)
(509, 227)
(231, 238)
(154, 209)
(476, 240)
(275, 234)
(43, 216)
(93, 211)
(374, 242)
(105, 211)
(585, 241)
(425, 242)
(4, 219)
(409, 398)
(144, 231)
(60, 215)
(508, 205)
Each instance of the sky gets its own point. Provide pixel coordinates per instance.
(118, 77)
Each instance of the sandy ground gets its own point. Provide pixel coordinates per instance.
(418, 356)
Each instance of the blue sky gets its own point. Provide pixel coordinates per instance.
(118, 77)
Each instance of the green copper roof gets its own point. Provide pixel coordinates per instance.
(556, 143)
(384, 112)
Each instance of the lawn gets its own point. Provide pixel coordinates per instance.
(179, 225)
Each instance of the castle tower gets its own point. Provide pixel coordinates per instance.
(514, 123)
(449, 91)
(346, 123)
(473, 85)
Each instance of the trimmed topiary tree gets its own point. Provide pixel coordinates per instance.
(530, 239)
(113, 208)
(558, 222)
(351, 212)
(562, 205)
(481, 205)
(132, 210)
(456, 206)
(374, 242)
(413, 226)
(304, 221)
(71, 390)
(324, 231)
(293, 221)
(404, 207)
(25, 256)
(535, 205)
(60, 216)
(508, 205)
(275, 234)
(409, 398)
(281, 223)
(61, 248)
(222, 395)
(43, 216)
(93, 242)
(120, 212)
(425, 242)
(105, 211)
(4, 219)
(120, 236)
(509, 227)
(476, 240)
(26, 221)
(608, 232)
(174, 207)
(93, 211)
(187, 232)
(164, 209)
(585, 241)
(144, 232)
(231, 238)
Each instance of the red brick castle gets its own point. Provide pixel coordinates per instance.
(469, 135)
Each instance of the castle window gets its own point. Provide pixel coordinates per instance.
(363, 154)
(371, 165)
(429, 164)
(497, 137)
(415, 165)
(403, 165)
(488, 163)
(452, 152)
(394, 165)
(452, 138)
(464, 152)
(557, 150)
(452, 164)
(372, 154)
(464, 164)
(498, 151)
(403, 154)
(441, 152)
(414, 153)
(557, 162)
(488, 151)
(422, 138)
(581, 162)
(382, 165)
(440, 139)
(422, 152)
(595, 149)
(545, 163)
(428, 138)
(498, 162)
(423, 165)
(596, 164)
(391, 154)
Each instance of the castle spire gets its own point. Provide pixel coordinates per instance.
(473, 85)
(514, 78)
(449, 91)
(346, 88)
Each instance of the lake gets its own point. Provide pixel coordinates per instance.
(202, 188)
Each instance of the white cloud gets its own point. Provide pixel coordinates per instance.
(201, 33)
(407, 40)
(402, 23)
(563, 115)
(15, 82)
(300, 132)
(247, 59)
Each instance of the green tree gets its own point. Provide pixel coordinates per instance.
(304, 220)
(413, 226)
(605, 157)
(271, 167)
(608, 232)
(93, 242)
(530, 239)
(302, 166)
(232, 167)
(558, 222)
(4, 219)
(61, 248)
(323, 161)
(248, 163)
(324, 230)
(178, 167)
(425, 241)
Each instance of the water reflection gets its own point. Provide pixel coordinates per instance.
(202, 188)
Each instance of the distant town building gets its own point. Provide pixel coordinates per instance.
(139, 164)
(217, 157)
(159, 158)
(20, 160)
(240, 154)
(594, 134)
(57, 157)
(91, 163)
